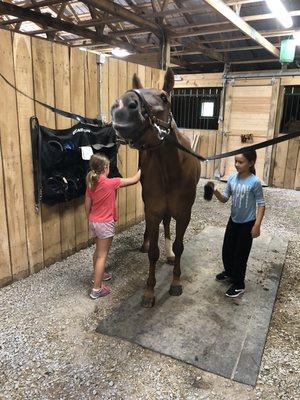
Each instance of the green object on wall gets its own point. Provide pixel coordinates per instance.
(287, 51)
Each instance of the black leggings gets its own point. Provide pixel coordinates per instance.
(236, 249)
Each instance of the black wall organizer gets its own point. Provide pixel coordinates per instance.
(59, 170)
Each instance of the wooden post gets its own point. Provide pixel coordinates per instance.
(164, 51)
(271, 129)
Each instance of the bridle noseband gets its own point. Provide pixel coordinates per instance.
(161, 127)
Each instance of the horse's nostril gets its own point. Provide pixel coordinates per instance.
(133, 105)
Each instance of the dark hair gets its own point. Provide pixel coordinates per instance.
(251, 157)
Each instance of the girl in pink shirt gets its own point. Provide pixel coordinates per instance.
(100, 207)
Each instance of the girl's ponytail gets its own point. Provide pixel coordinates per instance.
(98, 163)
(92, 179)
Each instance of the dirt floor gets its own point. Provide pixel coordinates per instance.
(49, 348)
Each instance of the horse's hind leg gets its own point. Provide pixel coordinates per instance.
(168, 242)
(181, 225)
(148, 299)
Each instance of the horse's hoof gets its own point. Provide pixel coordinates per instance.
(175, 290)
(144, 249)
(148, 302)
(171, 260)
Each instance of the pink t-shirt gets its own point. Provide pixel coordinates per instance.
(104, 199)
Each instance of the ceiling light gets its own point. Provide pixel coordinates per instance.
(280, 12)
(120, 52)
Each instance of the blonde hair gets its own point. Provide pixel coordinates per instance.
(98, 163)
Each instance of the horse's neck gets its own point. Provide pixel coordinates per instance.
(168, 157)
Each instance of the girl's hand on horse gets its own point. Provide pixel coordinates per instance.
(131, 181)
(255, 232)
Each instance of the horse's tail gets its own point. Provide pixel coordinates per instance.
(209, 191)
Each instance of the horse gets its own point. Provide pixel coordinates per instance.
(142, 118)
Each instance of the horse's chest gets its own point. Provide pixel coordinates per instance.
(171, 197)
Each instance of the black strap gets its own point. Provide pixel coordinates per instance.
(36, 142)
(247, 149)
(77, 117)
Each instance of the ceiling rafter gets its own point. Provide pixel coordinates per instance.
(205, 50)
(55, 23)
(228, 13)
(219, 25)
(119, 11)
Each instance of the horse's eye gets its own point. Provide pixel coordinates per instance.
(164, 98)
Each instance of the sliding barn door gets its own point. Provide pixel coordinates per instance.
(250, 113)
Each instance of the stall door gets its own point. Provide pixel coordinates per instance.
(250, 113)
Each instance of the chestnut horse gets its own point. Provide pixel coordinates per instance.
(142, 118)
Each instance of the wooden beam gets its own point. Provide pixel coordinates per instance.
(270, 33)
(43, 4)
(165, 52)
(119, 11)
(249, 18)
(197, 9)
(209, 52)
(46, 20)
(236, 62)
(228, 13)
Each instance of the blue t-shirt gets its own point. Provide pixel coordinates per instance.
(246, 194)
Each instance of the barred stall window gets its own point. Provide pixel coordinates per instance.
(196, 108)
(291, 105)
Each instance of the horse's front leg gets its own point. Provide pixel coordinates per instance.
(181, 225)
(148, 299)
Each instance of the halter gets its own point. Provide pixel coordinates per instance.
(161, 127)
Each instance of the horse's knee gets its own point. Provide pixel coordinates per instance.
(178, 248)
(153, 255)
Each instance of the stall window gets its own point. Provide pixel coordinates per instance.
(196, 108)
(291, 105)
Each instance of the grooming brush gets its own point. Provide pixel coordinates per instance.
(209, 191)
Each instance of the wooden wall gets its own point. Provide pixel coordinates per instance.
(251, 106)
(66, 78)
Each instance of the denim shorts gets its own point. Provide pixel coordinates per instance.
(102, 230)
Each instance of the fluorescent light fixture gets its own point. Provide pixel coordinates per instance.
(297, 38)
(120, 52)
(83, 48)
(280, 12)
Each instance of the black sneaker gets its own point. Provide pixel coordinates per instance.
(222, 277)
(234, 291)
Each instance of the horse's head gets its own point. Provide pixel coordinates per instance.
(140, 112)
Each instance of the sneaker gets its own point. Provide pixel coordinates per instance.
(234, 291)
(97, 293)
(222, 277)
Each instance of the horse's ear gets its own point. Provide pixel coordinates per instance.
(136, 82)
(169, 81)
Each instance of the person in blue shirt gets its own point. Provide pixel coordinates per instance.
(247, 212)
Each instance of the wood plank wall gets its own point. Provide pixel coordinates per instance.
(68, 79)
(282, 162)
